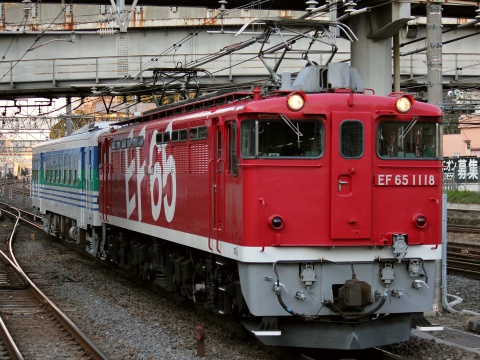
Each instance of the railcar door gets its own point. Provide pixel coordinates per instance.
(41, 181)
(351, 184)
(105, 167)
(216, 186)
(88, 178)
(83, 183)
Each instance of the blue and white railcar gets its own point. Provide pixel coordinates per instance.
(65, 185)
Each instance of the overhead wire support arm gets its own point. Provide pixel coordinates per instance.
(225, 51)
(123, 17)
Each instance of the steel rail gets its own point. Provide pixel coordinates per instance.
(72, 329)
(12, 348)
(464, 258)
(464, 229)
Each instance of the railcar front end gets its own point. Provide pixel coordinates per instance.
(342, 237)
(64, 186)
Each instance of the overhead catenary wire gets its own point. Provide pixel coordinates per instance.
(175, 47)
(135, 74)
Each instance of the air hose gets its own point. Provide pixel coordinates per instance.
(331, 306)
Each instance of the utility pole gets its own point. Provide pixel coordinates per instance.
(68, 121)
(434, 94)
(434, 53)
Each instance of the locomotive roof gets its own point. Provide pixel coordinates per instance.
(312, 78)
(93, 127)
(182, 107)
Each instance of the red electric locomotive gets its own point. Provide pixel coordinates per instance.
(312, 215)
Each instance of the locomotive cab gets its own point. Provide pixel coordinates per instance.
(344, 192)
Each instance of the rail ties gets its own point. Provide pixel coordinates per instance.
(31, 325)
(464, 258)
(463, 229)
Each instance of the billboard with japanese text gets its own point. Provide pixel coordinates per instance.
(461, 169)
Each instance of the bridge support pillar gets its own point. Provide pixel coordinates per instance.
(372, 54)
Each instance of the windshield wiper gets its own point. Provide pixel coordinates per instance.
(290, 125)
(408, 128)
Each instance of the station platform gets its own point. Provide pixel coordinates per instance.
(468, 341)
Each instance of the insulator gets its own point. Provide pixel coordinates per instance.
(222, 4)
(311, 5)
(350, 7)
(105, 31)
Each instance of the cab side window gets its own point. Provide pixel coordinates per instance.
(351, 139)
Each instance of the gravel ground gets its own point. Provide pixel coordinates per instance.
(468, 290)
(131, 322)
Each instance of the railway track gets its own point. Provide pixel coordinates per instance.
(32, 325)
(464, 258)
(464, 229)
(11, 191)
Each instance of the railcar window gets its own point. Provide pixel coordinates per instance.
(232, 160)
(135, 142)
(65, 166)
(141, 140)
(351, 139)
(182, 135)
(193, 133)
(72, 165)
(179, 135)
(75, 172)
(282, 138)
(409, 140)
(202, 132)
(163, 137)
(198, 133)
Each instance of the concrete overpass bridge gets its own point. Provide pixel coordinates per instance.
(136, 48)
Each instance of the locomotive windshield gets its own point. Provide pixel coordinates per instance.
(282, 137)
(409, 139)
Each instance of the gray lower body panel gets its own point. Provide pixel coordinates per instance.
(336, 335)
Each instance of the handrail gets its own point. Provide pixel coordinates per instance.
(262, 201)
(210, 204)
(217, 199)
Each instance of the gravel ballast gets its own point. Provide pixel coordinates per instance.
(129, 321)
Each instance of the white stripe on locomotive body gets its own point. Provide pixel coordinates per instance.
(333, 266)
(271, 254)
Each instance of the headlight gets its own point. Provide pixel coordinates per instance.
(404, 103)
(295, 101)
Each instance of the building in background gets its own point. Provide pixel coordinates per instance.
(467, 143)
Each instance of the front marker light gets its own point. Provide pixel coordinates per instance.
(420, 221)
(276, 222)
